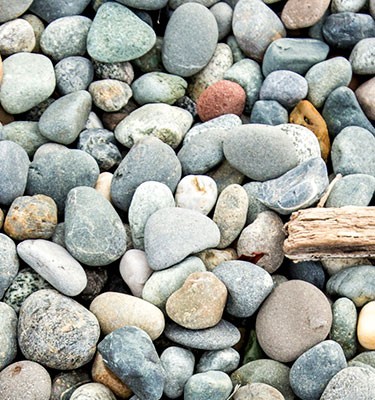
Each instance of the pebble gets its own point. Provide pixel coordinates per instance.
(219, 337)
(145, 4)
(308, 271)
(367, 358)
(96, 280)
(365, 99)
(352, 190)
(13, 171)
(73, 74)
(214, 385)
(102, 146)
(110, 95)
(28, 80)
(351, 383)
(257, 391)
(295, 317)
(16, 36)
(268, 112)
(190, 40)
(335, 265)
(55, 9)
(307, 115)
(149, 197)
(87, 210)
(9, 263)
(93, 391)
(148, 160)
(56, 173)
(26, 380)
(13, 10)
(187, 104)
(340, 6)
(223, 14)
(178, 364)
(225, 175)
(151, 61)
(270, 372)
(118, 35)
(65, 383)
(199, 303)
(213, 257)
(116, 310)
(103, 185)
(261, 152)
(238, 55)
(1, 218)
(286, 87)
(196, 192)
(56, 331)
(311, 372)
(8, 335)
(255, 206)
(341, 109)
(297, 55)
(130, 354)
(299, 188)
(65, 118)
(158, 87)
(186, 232)
(167, 123)
(263, 241)
(121, 71)
(362, 56)
(38, 28)
(102, 374)
(213, 72)
(297, 15)
(352, 152)
(36, 112)
(162, 284)
(31, 218)
(225, 360)
(255, 26)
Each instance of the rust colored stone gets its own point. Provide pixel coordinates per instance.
(305, 114)
(302, 14)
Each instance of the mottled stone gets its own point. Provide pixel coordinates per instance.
(130, 354)
(96, 281)
(9, 263)
(13, 10)
(151, 61)
(65, 383)
(57, 9)
(257, 391)
(225, 360)
(185, 231)
(298, 15)
(16, 36)
(238, 55)
(365, 98)
(43, 335)
(214, 385)
(255, 206)
(109, 94)
(121, 71)
(213, 257)
(340, 6)
(268, 112)
(8, 335)
(190, 40)
(362, 56)
(94, 391)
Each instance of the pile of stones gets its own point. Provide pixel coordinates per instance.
(151, 152)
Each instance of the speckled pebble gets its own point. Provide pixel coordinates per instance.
(121, 71)
(268, 112)
(16, 36)
(65, 383)
(109, 94)
(215, 385)
(362, 57)
(93, 391)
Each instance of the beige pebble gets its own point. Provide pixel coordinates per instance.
(109, 94)
(213, 257)
(103, 184)
(366, 326)
(257, 391)
(16, 36)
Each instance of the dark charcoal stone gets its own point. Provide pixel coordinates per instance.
(308, 271)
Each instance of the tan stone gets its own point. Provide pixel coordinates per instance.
(366, 97)
(213, 257)
(199, 303)
(305, 114)
(366, 326)
(103, 185)
(298, 14)
(1, 218)
(31, 217)
(101, 374)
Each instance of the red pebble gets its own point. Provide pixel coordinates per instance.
(223, 97)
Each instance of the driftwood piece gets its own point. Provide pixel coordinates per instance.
(318, 233)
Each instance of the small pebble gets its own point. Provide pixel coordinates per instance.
(110, 95)
(366, 327)
(213, 257)
(65, 383)
(225, 175)
(296, 15)
(38, 28)
(223, 14)
(308, 271)
(340, 6)
(362, 56)
(365, 98)
(215, 385)
(93, 391)
(103, 185)
(121, 71)
(55, 9)
(268, 112)
(15, 37)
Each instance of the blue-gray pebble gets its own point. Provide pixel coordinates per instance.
(226, 360)
(8, 335)
(312, 370)
(54, 9)
(190, 40)
(210, 385)
(130, 354)
(308, 271)
(268, 112)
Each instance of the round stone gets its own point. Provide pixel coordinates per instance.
(223, 14)
(110, 95)
(215, 385)
(298, 15)
(8, 335)
(257, 391)
(151, 61)
(365, 99)
(294, 318)
(362, 57)
(57, 331)
(16, 36)
(92, 391)
(13, 10)
(9, 263)
(366, 327)
(268, 112)
(55, 9)
(226, 360)
(190, 40)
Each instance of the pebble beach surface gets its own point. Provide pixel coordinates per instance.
(151, 152)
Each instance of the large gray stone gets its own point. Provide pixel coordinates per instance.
(8, 335)
(14, 9)
(58, 8)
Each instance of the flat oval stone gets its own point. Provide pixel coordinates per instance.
(115, 310)
(8, 335)
(28, 80)
(13, 10)
(352, 152)
(167, 123)
(225, 360)
(215, 385)
(296, 15)
(295, 317)
(25, 377)
(162, 284)
(312, 371)
(57, 331)
(93, 391)
(297, 55)
(190, 40)
(248, 285)
(14, 168)
(365, 99)
(88, 210)
(16, 36)
(199, 303)
(260, 391)
(65, 118)
(131, 355)
(178, 364)
(223, 14)
(148, 160)
(185, 231)
(255, 26)
(362, 57)
(219, 337)
(268, 112)
(56, 9)
(110, 95)
(260, 152)
(54, 264)
(55, 174)
(9, 263)
(117, 35)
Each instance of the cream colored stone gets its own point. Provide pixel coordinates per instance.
(366, 326)
(103, 185)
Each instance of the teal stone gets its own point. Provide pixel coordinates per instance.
(225, 360)
(210, 385)
(117, 34)
(151, 61)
